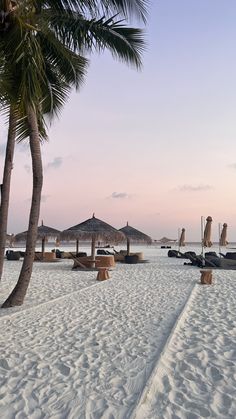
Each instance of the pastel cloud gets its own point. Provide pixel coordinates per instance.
(119, 195)
(232, 166)
(55, 164)
(44, 198)
(195, 188)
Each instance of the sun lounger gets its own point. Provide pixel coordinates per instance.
(12, 255)
(83, 263)
(229, 255)
(47, 257)
(104, 252)
(212, 262)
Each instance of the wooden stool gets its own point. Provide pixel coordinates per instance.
(102, 274)
(206, 276)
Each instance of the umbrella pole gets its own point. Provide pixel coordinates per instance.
(128, 247)
(202, 235)
(43, 247)
(219, 226)
(179, 238)
(77, 246)
(93, 248)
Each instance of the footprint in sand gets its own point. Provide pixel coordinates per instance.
(64, 370)
(4, 364)
(214, 374)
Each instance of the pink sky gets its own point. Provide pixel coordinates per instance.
(156, 148)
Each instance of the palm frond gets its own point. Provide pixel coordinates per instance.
(72, 67)
(85, 35)
(95, 8)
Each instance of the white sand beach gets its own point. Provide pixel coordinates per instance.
(150, 342)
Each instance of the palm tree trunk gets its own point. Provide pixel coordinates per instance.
(17, 296)
(6, 184)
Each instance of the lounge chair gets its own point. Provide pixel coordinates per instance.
(82, 264)
(212, 262)
(104, 252)
(186, 255)
(12, 255)
(46, 257)
(173, 254)
(229, 255)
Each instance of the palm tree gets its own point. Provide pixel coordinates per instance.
(49, 88)
(5, 186)
(33, 43)
(70, 70)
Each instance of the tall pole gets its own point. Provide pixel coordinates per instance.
(43, 247)
(77, 246)
(219, 238)
(202, 236)
(128, 246)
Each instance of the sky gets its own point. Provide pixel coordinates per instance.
(155, 147)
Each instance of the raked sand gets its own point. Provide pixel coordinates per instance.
(85, 349)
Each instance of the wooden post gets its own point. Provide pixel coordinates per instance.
(128, 246)
(93, 248)
(43, 247)
(102, 274)
(77, 246)
(206, 276)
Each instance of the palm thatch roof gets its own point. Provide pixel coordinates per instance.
(44, 232)
(93, 228)
(135, 235)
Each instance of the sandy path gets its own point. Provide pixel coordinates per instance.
(196, 376)
(89, 354)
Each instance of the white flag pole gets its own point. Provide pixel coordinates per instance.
(219, 238)
(202, 235)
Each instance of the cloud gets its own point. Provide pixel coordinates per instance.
(232, 166)
(119, 195)
(2, 149)
(55, 164)
(192, 188)
(44, 198)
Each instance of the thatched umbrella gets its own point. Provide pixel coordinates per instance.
(135, 236)
(44, 233)
(95, 230)
(207, 233)
(223, 241)
(182, 238)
